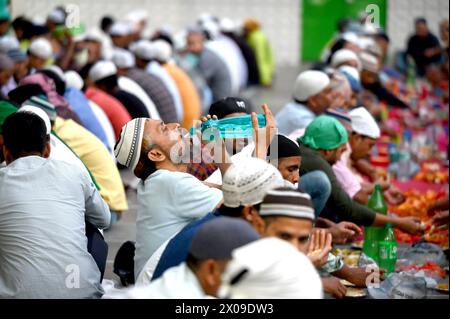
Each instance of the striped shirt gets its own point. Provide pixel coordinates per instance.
(159, 94)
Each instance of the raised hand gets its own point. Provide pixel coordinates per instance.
(263, 136)
(320, 245)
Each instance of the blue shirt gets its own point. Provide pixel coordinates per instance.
(167, 202)
(292, 117)
(177, 249)
(80, 104)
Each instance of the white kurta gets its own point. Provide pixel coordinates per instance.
(176, 283)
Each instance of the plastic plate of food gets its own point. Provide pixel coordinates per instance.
(347, 283)
(442, 287)
(357, 245)
(353, 292)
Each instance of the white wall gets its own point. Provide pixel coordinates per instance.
(402, 13)
(280, 18)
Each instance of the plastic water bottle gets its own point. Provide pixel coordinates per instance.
(234, 127)
(404, 158)
(372, 234)
(387, 247)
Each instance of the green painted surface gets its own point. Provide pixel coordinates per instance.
(320, 18)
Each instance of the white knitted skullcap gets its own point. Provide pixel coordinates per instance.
(247, 182)
(128, 148)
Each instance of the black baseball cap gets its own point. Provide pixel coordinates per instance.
(228, 106)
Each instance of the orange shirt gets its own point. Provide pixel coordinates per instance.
(189, 95)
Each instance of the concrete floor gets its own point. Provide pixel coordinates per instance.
(276, 97)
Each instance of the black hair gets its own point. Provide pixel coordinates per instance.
(25, 92)
(149, 166)
(84, 71)
(163, 36)
(235, 211)
(59, 83)
(106, 23)
(343, 24)
(383, 35)
(25, 25)
(338, 45)
(24, 133)
(39, 30)
(192, 262)
(109, 82)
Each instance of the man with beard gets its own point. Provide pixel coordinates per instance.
(168, 198)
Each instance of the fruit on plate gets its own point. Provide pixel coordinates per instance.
(432, 173)
(417, 205)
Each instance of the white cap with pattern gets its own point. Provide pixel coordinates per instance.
(128, 148)
(247, 182)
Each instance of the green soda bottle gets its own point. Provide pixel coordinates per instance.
(387, 247)
(372, 234)
(411, 73)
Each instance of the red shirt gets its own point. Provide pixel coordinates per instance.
(114, 110)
